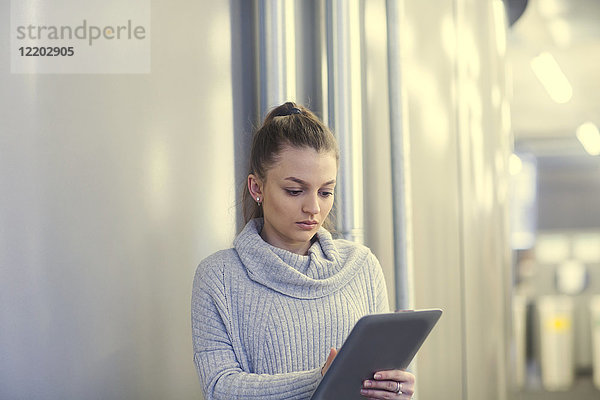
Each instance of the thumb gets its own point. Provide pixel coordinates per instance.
(332, 353)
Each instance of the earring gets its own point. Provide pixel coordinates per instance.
(258, 200)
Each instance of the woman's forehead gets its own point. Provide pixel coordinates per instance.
(305, 164)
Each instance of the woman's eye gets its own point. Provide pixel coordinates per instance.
(326, 194)
(293, 192)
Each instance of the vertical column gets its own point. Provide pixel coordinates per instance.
(345, 110)
(400, 156)
(277, 52)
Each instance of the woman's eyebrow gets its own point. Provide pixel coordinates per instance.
(301, 182)
(297, 180)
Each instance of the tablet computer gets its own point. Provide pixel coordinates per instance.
(378, 342)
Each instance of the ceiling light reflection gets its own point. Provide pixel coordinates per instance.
(552, 77)
(588, 135)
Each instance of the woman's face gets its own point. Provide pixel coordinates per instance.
(296, 196)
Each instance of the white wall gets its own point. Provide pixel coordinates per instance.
(109, 188)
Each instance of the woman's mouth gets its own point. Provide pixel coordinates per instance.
(307, 225)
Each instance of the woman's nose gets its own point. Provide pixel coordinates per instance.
(311, 204)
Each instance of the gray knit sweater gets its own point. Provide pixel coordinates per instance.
(264, 319)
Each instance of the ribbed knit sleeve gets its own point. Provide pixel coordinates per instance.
(219, 367)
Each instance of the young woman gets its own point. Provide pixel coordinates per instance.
(268, 314)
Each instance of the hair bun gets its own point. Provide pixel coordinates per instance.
(286, 109)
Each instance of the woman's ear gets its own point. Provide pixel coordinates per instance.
(255, 187)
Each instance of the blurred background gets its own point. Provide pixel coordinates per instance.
(553, 53)
(469, 140)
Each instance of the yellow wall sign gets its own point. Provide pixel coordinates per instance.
(559, 324)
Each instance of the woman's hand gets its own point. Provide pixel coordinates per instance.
(392, 384)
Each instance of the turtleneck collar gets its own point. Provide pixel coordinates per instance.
(319, 273)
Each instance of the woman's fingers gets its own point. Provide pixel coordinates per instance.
(395, 375)
(384, 394)
(392, 384)
(389, 386)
